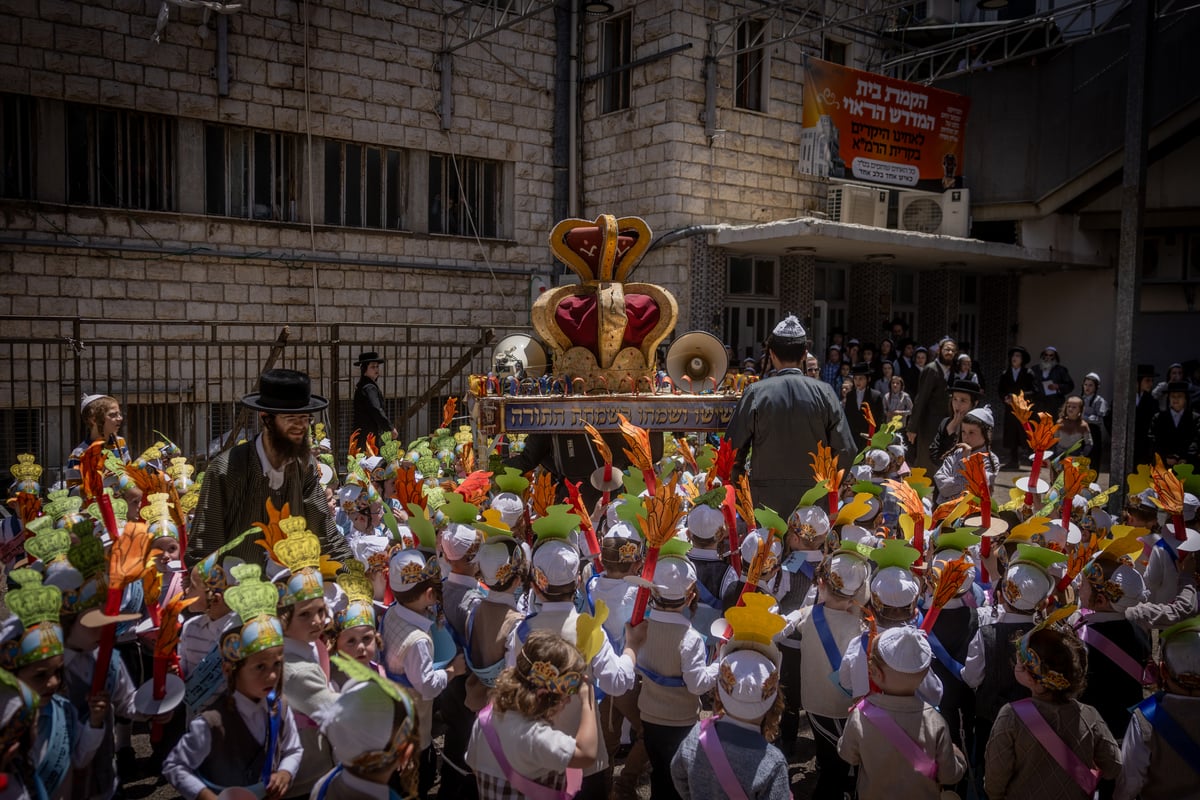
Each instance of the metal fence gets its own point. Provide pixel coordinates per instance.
(184, 379)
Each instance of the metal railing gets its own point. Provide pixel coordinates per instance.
(185, 379)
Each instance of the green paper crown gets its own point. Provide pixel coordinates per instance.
(252, 597)
(63, 506)
(895, 553)
(1042, 557)
(557, 524)
(957, 539)
(1184, 626)
(631, 508)
(675, 547)
(511, 481)
(87, 556)
(119, 506)
(635, 482)
(459, 510)
(767, 518)
(814, 495)
(48, 544)
(421, 526)
(712, 499)
(867, 487)
(33, 603)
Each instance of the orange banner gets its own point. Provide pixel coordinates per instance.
(873, 128)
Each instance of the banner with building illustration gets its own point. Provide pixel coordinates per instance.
(862, 126)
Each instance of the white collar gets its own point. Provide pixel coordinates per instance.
(546, 607)
(671, 617)
(363, 786)
(274, 476)
(1015, 616)
(414, 618)
(254, 712)
(507, 599)
(462, 580)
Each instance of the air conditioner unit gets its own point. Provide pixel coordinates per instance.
(860, 205)
(946, 214)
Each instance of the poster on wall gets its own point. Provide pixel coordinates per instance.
(867, 127)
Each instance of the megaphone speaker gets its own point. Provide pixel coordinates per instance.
(694, 358)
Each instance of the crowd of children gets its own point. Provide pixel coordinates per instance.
(495, 644)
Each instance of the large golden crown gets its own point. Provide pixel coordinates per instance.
(604, 331)
(299, 550)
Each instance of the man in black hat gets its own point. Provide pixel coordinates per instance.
(964, 396)
(781, 419)
(369, 416)
(1013, 381)
(861, 394)
(276, 465)
(928, 403)
(1175, 433)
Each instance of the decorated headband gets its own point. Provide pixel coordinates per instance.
(254, 601)
(1050, 679)
(545, 678)
(376, 760)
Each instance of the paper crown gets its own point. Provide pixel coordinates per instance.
(338, 721)
(511, 480)
(254, 601)
(26, 474)
(20, 712)
(558, 523)
(212, 571)
(754, 624)
(47, 544)
(360, 598)
(895, 553)
(38, 608)
(157, 515)
(604, 330)
(492, 527)
(1048, 678)
(300, 553)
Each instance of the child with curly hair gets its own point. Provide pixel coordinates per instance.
(515, 750)
(1049, 745)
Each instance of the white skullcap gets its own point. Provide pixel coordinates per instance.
(744, 684)
(1191, 504)
(406, 570)
(1133, 587)
(492, 556)
(1026, 585)
(859, 535)
(1056, 535)
(673, 576)
(789, 328)
(982, 415)
(847, 573)
(458, 539)
(622, 530)
(510, 506)
(895, 587)
(87, 400)
(943, 557)
(905, 649)
(336, 598)
(359, 721)
(878, 460)
(749, 546)
(704, 521)
(1093, 376)
(1101, 519)
(1181, 652)
(555, 563)
(812, 516)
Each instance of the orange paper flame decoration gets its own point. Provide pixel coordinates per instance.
(1170, 495)
(757, 564)
(974, 470)
(91, 471)
(685, 452)
(448, 411)
(943, 511)
(1073, 482)
(168, 630)
(152, 579)
(150, 481)
(663, 513)
(602, 448)
(869, 417)
(824, 467)
(407, 489)
(372, 446)
(951, 579)
(1077, 559)
(907, 498)
(745, 503)
(28, 506)
(272, 533)
(128, 557)
(638, 451)
(1043, 434)
(1022, 409)
(355, 447)
(722, 467)
(467, 458)
(474, 488)
(544, 491)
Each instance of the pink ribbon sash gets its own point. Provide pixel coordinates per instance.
(1064, 756)
(1140, 673)
(719, 762)
(526, 786)
(921, 761)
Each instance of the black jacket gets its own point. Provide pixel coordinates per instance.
(369, 416)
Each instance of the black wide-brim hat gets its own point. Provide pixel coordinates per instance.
(966, 387)
(370, 357)
(1025, 357)
(284, 391)
(861, 368)
(1146, 371)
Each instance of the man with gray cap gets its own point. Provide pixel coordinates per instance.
(783, 418)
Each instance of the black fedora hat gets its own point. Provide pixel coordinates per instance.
(861, 368)
(1025, 357)
(966, 387)
(284, 391)
(1179, 386)
(1146, 371)
(369, 357)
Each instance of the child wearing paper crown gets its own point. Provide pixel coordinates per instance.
(894, 737)
(1117, 650)
(729, 754)
(1052, 664)
(248, 739)
(556, 564)
(200, 639)
(372, 728)
(518, 746)
(1160, 755)
(826, 629)
(408, 642)
(19, 706)
(354, 631)
(503, 567)
(304, 615)
(673, 665)
(34, 653)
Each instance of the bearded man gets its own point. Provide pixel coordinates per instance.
(930, 404)
(276, 465)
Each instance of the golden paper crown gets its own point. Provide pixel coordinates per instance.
(48, 544)
(33, 603)
(26, 469)
(754, 621)
(356, 584)
(299, 550)
(293, 525)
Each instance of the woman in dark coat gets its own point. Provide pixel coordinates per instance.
(1015, 378)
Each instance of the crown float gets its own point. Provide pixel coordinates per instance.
(604, 331)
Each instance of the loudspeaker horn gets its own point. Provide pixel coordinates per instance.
(519, 353)
(694, 358)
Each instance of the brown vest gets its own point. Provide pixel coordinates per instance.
(235, 757)
(665, 705)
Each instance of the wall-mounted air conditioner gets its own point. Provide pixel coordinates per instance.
(946, 214)
(860, 205)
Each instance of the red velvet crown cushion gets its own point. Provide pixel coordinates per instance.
(577, 317)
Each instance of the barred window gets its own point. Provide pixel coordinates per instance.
(121, 159)
(16, 144)
(465, 196)
(251, 174)
(616, 51)
(750, 71)
(365, 186)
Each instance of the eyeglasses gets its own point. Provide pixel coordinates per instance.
(813, 370)
(290, 418)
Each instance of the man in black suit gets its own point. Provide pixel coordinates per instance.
(1146, 407)
(929, 403)
(1175, 433)
(862, 393)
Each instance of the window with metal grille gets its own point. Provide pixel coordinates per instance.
(121, 159)
(16, 145)
(466, 196)
(251, 174)
(365, 187)
(749, 69)
(616, 51)
(753, 276)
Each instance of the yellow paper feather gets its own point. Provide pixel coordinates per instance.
(589, 631)
(851, 511)
(1031, 527)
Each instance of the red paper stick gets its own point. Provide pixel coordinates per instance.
(1180, 530)
(1033, 477)
(735, 553)
(919, 537)
(110, 516)
(643, 592)
(585, 522)
(833, 503)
